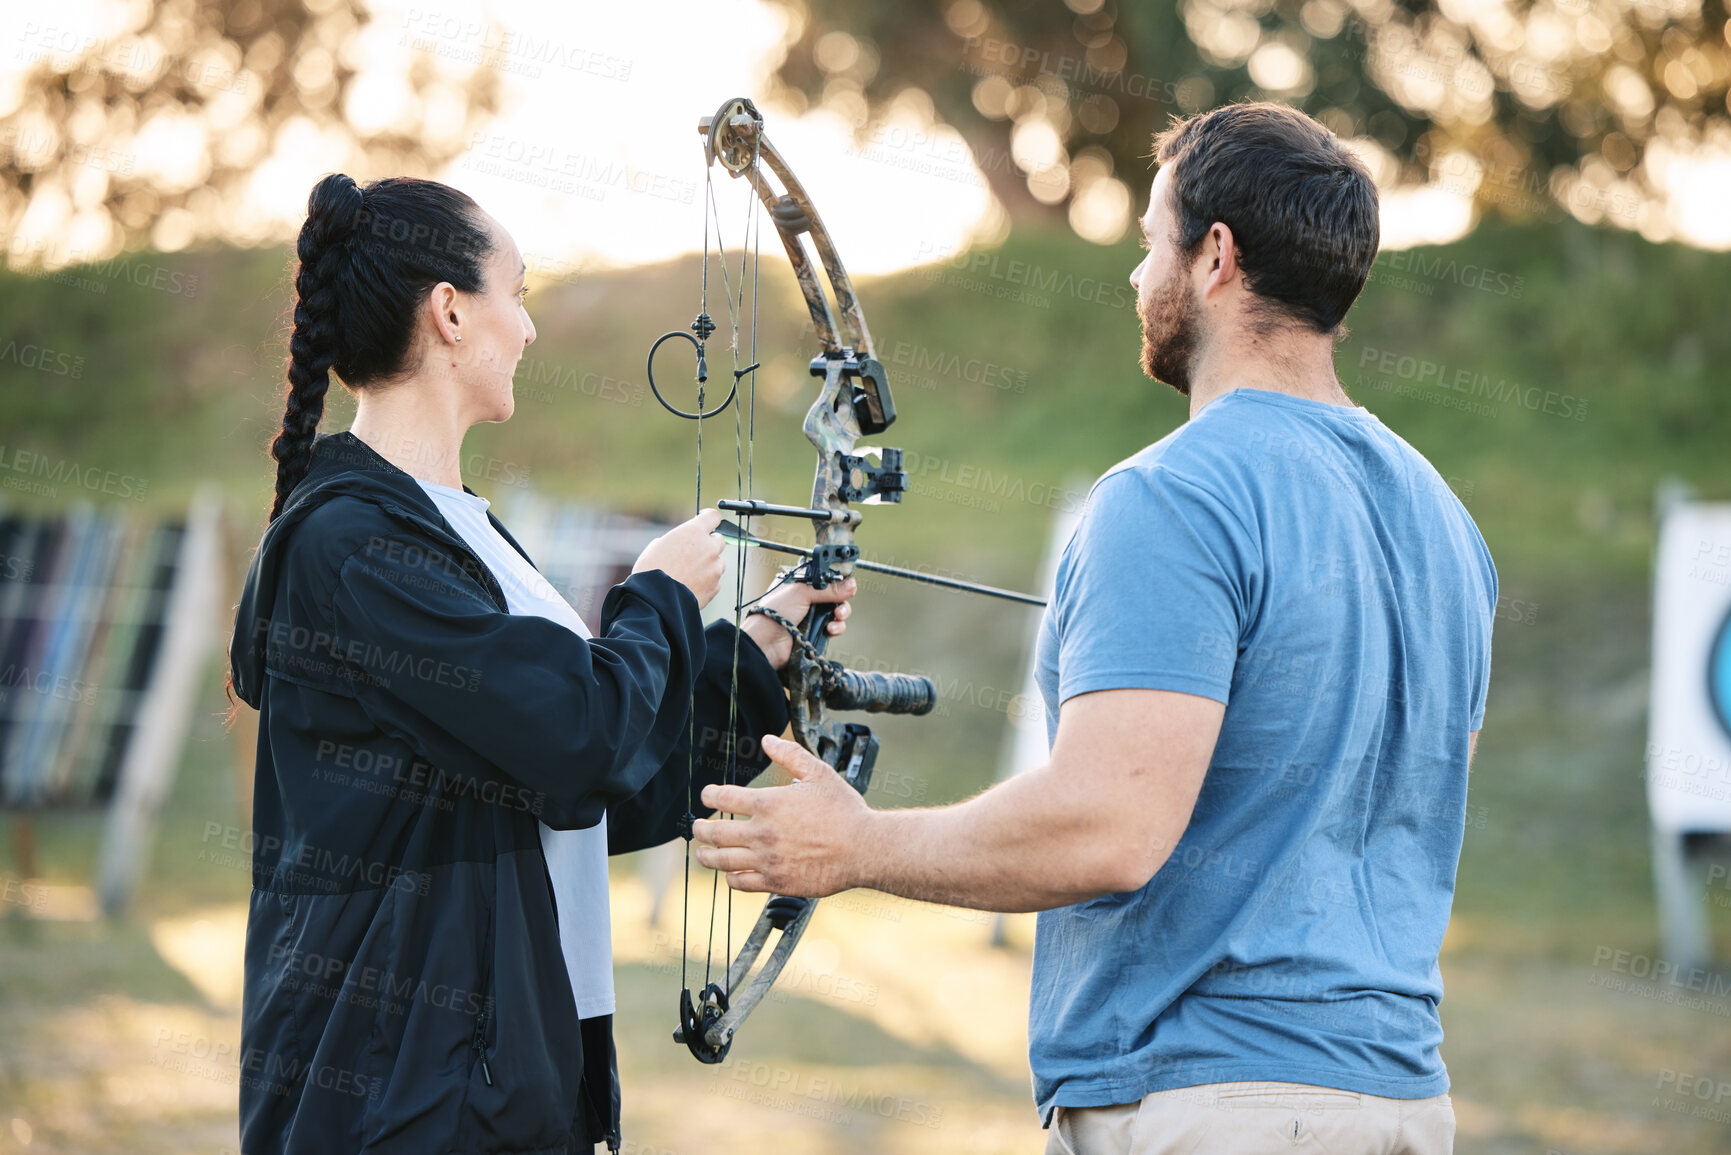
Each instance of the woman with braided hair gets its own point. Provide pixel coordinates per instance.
(446, 755)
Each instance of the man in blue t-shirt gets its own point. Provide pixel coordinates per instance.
(1264, 668)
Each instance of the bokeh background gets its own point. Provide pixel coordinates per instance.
(1547, 323)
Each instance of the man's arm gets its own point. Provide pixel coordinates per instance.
(1472, 746)
(1101, 817)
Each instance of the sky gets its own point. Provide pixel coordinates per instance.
(594, 159)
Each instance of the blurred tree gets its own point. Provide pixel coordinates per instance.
(153, 134)
(1526, 105)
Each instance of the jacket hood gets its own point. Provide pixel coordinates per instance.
(342, 466)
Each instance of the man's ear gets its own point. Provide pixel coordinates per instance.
(1221, 255)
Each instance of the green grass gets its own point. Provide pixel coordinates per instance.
(173, 389)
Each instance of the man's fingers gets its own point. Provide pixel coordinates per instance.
(738, 863)
(717, 832)
(748, 882)
(708, 519)
(792, 757)
(727, 858)
(732, 799)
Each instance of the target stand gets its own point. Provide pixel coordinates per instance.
(1688, 755)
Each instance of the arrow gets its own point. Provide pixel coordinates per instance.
(732, 532)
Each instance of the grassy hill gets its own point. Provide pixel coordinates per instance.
(1555, 375)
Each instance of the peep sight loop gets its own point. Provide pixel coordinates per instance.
(699, 414)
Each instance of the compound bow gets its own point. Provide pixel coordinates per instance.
(854, 401)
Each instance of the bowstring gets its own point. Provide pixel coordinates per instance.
(750, 241)
(744, 474)
(691, 707)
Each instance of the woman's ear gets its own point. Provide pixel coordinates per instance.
(446, 308)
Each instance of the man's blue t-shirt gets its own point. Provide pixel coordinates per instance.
(1303, 565)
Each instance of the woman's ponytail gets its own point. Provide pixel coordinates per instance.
(333, 210)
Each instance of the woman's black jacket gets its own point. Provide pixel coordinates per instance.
(405, 990)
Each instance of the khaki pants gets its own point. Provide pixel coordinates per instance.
(1254, 1118)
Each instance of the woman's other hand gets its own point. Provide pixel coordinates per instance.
(793, 600)
(689, 553)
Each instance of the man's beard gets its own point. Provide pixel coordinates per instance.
(1171, 333)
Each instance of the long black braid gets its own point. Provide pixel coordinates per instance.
(333, 210)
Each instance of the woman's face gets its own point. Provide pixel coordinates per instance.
(496, 329)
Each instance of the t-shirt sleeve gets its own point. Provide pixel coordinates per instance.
(1154, 589)
(1487, 620)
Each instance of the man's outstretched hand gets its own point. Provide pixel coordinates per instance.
(802, 839)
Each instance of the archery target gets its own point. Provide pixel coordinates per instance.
(1719, 675)
(1688, 756)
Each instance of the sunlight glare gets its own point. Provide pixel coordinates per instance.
(1426, 215)
(594, 159)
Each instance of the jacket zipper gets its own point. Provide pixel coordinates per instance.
(481, 1044)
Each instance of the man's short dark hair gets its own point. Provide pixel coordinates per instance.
(1301, 207)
